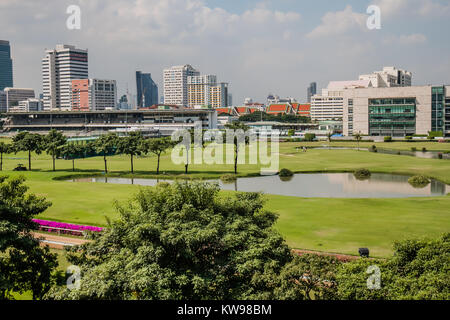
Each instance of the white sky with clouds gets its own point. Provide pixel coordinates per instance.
(259, 47)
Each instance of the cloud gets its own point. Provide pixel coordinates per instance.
(339, 22)
(423, 8)
(411, 39)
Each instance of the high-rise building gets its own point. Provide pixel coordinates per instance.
(3, 107)
(312, 90)
(94, 95)
(16, 95)
(6, 67)
(389, 77)
(218, 96)
(199, 90)
(28, 105)
(59, 67)
(176, 84)
(147, 90)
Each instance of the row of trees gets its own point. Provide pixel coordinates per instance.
(185, 241)
(134, 144)
(56, 145)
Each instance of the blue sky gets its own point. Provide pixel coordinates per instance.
(259, 47)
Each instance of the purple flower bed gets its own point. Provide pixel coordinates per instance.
(74, 227)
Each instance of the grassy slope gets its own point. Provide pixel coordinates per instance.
(339, 225)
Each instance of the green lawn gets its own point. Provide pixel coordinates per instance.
(336, 225)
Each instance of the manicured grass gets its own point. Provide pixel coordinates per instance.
(337, 225)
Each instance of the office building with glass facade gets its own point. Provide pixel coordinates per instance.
(397, 111)
(6, 67)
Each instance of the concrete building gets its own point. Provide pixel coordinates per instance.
(28, 105)
(6, 65)
(59, 67)
(147, 90)
(93, 95)
(176, 84)
(219, 96)
(15, 95)
(389, 77)
(161, 122)
(329, 105)
(397, 111)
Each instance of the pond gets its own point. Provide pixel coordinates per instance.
(316, 185)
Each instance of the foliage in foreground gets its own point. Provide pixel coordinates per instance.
(418, 271)
(24, 265)
(183, 241)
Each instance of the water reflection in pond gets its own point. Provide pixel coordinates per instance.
(320, 185)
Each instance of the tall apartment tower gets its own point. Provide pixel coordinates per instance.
(147, 90)
(176, 84)
(312, 90)
(6, 67)
(59, 67)
(199, 89)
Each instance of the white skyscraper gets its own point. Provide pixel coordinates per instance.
(176, 84)
(59, 67)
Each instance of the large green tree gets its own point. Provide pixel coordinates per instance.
(418, 270)
(157, 146)
(29, 142)
(5, 148)
(183, 241)
(24, 265)
(106, 145)
(130, 145)
(54, 140)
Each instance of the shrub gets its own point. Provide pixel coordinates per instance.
(424, 149)
(413, 149)
(285, 173)
(440, 155)
(373, 148)
(388, 139)
(435, 134)
(408, 138)
(419, 181)
(362, 174)
(228, 178)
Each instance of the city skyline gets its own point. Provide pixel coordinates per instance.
(261, 34)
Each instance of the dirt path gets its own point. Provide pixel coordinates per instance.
(57, 242)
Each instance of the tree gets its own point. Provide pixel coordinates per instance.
(24, 265)
(72, 151)
(158, 147)
(130, 145)
(182, 241)
(358, 138)
(418, 270)
(309, 277)
(54, 140)
(329, 136)
(237, 127)
(106, 145)
(30, 142)
(4, 149)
